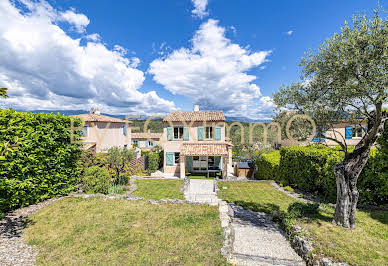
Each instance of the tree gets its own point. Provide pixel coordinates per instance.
(3, 92)
(118, 157)
(346, 79)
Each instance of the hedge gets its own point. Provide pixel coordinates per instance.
(44, 165)
(267, 165)
(310, 168)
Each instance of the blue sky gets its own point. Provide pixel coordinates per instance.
(147, 57)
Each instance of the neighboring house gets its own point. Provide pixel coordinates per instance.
(346, 132)
(145, 141)
(194, 141)
(102, 132)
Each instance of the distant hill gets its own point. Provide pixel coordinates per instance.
(77, 112)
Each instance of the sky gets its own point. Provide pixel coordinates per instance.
(150, 56)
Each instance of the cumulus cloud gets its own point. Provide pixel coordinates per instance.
(290, 32)
(200, 8)
(213, 73)
(79, 21)
(44, 68)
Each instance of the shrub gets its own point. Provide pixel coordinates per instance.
(124, 179)
(118, 158)
(311, 168)
(267, 165)
(96, 180)
(288, 188)
(45, 163)
(153, 161)
(116, 189)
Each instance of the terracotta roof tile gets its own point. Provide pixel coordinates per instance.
(100, 118)
(195, 116)
(198, 149)
(146, 135)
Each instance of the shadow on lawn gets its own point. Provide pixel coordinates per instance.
(297, 210)
(379, 215)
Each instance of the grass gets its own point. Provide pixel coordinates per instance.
(116, 189)
(367, 244)
(79, 231)
(158, 189)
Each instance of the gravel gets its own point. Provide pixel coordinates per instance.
(13, 247)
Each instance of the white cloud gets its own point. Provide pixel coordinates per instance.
(44, 68)
(200, 8)
(290, 32)
(212, 73)
(95, 37)
(79, 21)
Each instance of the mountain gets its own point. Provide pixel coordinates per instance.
(143, 117)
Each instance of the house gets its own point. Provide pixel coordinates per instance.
(145, 141)
(346, 132)
(194, 142)
(101, 132)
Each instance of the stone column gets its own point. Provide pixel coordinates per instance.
(224, 166)
(182, 163)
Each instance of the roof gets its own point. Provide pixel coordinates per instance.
(195, 116)
(146, 135)
(100, 118)
(198, 149)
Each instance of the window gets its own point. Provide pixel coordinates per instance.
(209, 132)
(85, 132)
(176, 157)
(357, 132)
(178, 132)
(124, 130)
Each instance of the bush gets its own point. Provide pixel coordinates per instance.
(116, 189)
(96, 180)
(267, 165)
(311, 168)
(45, 163)
(153, 161)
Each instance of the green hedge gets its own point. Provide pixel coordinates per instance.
(45, 163)
(267, 165)
(310, 168)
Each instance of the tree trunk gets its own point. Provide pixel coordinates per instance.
(347, 173)
(117, 176)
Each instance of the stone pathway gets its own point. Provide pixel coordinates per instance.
(201, 191)
(257, 241)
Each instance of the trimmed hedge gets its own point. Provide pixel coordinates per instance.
(310, 168)
(267, 165)
(45, 163)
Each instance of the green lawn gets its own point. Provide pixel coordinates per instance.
(158, 189)
(367, 244)
(79, 231)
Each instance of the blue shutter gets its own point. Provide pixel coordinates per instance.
(348, 132)
(217, 162)
(218, 133)
(169, 133)
(146, 143)
(132, 141)
(85, 131)
(138, 143)
(124, 130)
(200, 132)
(186, 134)
(189, 163)
(169, 158)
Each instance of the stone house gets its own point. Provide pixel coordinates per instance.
(146, 141)
(194, 142)
(101, 132)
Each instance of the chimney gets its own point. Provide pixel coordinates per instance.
(95, 111)
(196, 108)
(149, 130)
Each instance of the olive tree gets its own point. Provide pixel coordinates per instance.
(346, 79)
(118, 157)
(3, 92)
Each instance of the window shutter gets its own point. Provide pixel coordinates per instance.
(200, 132)
(146, 143)
(124, 130)
(217, 162)
(348, 132)
(169, 133)
(189, 163)
(85, 131)
(186, 134)
(218, 133)
(169, 158)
